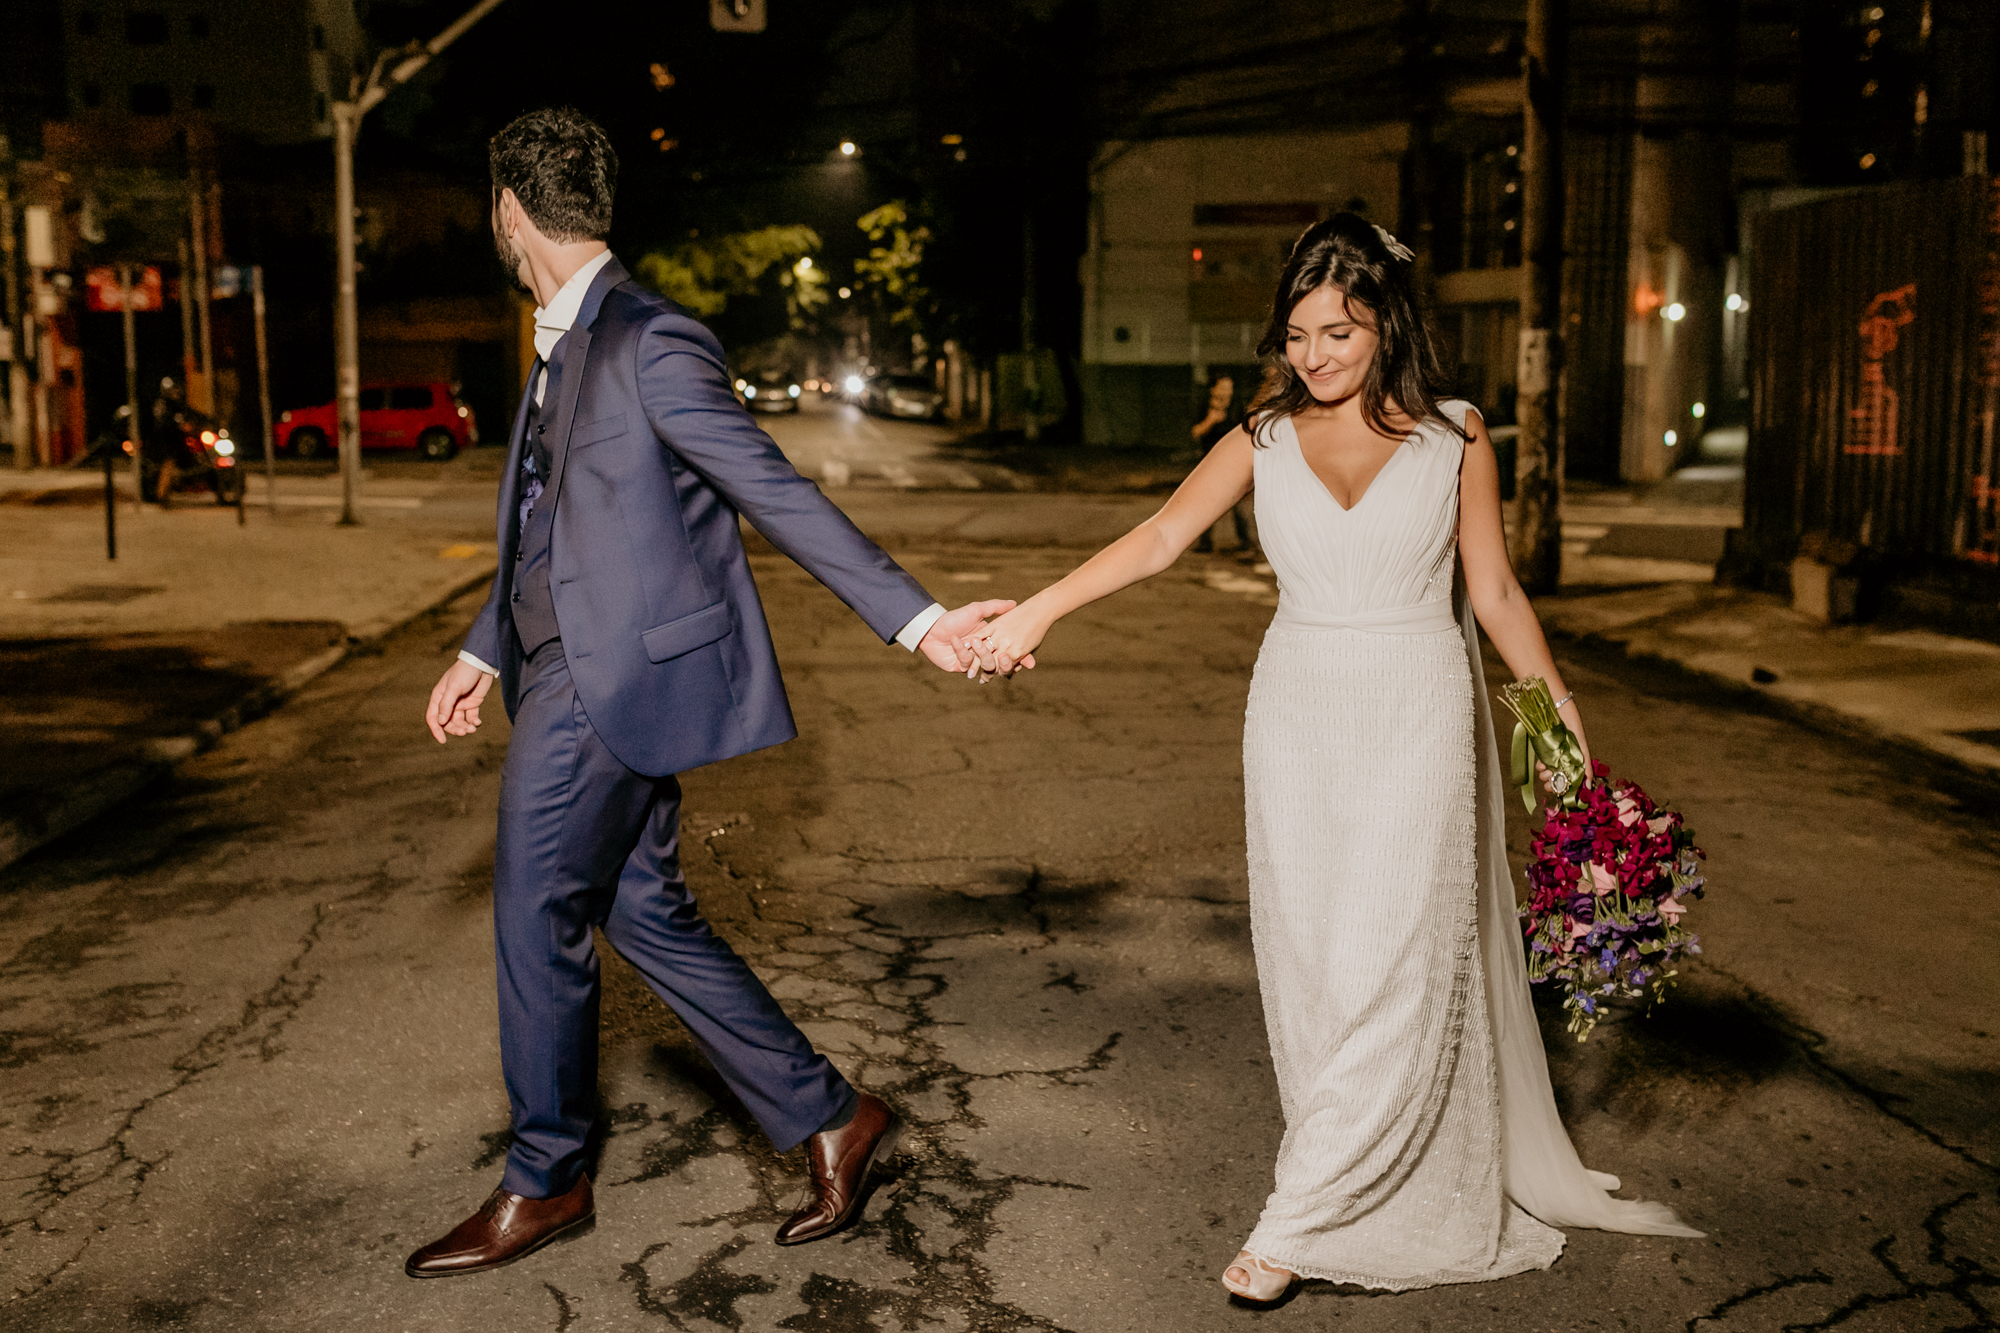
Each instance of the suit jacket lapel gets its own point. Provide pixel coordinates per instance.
(566, 383)
(509, 519)
(566, 375)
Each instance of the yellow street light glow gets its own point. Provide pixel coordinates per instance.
(1699, 410)
(847, 148)
(952, 139)
(846, 292)
(805, 263)
(1674, 313)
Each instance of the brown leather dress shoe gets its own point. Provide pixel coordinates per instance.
(506, 1227)
(839, 1161)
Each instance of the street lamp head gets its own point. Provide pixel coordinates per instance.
(847, 148)
(1674, 313)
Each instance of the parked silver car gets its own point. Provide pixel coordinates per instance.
(912, 396)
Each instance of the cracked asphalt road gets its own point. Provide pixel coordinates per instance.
(250, 1060)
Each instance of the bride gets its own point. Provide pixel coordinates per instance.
(1421, 1143)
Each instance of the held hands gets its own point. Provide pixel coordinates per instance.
(1008, 644)
(948, 642)
(454, 706)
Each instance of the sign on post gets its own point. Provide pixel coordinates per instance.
(103, 291)
(736, 15)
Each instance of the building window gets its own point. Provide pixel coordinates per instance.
(86, 23)
(93, 96)
(151, 99)
(197, 26)
(204, 97)
(146, 28)
(318, 37)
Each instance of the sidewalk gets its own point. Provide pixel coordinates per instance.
(1924, 691)
(117, 670)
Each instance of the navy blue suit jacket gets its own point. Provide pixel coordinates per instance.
(652, 459)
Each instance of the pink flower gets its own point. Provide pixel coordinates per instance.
(1601, 880)
(1670, 911)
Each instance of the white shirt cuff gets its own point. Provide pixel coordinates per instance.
(913, 633)
(474, 662)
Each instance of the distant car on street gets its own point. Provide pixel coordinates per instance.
(428, 418)
(769, 391)
(911, 396)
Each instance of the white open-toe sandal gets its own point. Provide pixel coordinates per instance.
(1267, 1280)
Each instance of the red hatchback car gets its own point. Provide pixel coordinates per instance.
(426, 417)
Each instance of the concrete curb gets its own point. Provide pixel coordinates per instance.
(106, 788)
(1817, 716)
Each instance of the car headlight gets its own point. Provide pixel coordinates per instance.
(854, 384)
(225, 447)
(749, 391)
(793, 391)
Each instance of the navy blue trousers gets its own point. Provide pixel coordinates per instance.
(584, 841)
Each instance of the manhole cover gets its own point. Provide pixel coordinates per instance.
(103, 594)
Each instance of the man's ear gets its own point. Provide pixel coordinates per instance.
(511, 213)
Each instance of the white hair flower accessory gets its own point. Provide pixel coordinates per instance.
(1394, 246)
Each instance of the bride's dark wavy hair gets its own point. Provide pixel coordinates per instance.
(1345, 252)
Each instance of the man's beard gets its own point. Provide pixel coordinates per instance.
(510, 260)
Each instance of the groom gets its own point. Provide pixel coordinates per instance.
(625, 631)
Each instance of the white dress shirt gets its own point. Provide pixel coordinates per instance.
(555, 319)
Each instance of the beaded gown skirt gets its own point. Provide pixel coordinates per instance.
(1358, 777)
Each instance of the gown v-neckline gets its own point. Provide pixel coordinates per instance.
(1298, 447)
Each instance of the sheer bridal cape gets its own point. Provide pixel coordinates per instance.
(1541, 1170)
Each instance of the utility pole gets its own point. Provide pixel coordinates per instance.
(1537, 538)
(198, 224)
(363, 95)
(264, 387)
(132, 429)
(1031, 389)
(18, 429)
(190, 363)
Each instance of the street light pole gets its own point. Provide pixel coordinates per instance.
(362, 97)
(1537, 544)
(346, 332)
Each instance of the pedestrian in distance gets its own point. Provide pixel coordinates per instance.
(1214, 426)
(1422, 1144)
(627, 637)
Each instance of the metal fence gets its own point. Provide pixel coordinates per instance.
(1874, 358)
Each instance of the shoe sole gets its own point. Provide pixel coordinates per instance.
(568, 1232)
(885, 1148)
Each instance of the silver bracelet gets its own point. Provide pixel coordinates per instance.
(1566, 698)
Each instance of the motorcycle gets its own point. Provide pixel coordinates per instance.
(191, 452)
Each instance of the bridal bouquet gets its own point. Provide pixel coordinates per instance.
(1610, 874)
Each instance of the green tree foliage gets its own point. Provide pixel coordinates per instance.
(703, 273)
(891, 274)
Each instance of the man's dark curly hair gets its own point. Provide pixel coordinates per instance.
(561, 167)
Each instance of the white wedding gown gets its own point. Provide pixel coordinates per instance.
(1422, 1144)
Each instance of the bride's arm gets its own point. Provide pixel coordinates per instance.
(1503, 609)
(1222, 478)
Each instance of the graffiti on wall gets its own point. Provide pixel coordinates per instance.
(1875, 416)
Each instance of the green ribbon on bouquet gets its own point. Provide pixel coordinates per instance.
(1541, 737)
